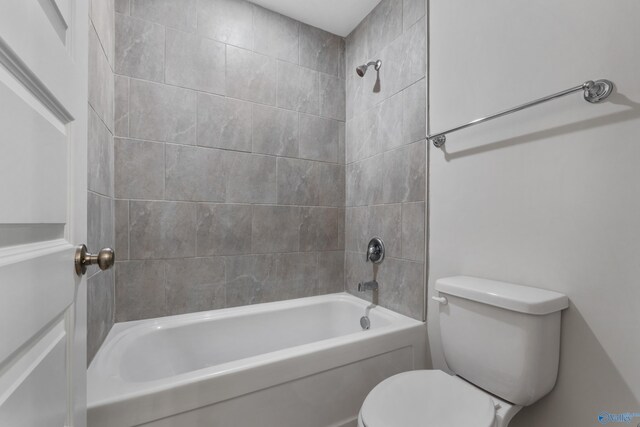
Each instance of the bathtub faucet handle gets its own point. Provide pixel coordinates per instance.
(375, 250)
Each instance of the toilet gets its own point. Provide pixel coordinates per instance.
(502, 343)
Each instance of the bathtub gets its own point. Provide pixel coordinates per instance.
(297, 363)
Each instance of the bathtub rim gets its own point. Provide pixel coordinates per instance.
(232, 312)
(238, 377)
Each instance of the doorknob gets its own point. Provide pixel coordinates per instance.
(104, 259)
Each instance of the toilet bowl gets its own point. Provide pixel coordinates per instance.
(502, 342)
(432, 399)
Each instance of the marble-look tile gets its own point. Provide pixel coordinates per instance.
(354, 145)
(275, 229)
(413, 220)
(318, 138)
(342, 136)
(102, 16)
(331, 185)
(100, 310)
(389, 123)
(194, 284)
(298, 182)
(363, 138)
(121, 214)
(320, 50)
(357, 47)
(275, 35)
(275, 131)
(364, 182)
(384, 25)
(298, 88)
(414, 116)
(353, 94)
(194, 62)
(353, 185)
(251, 76)
(330, 272)
(162, 230)
(139, 48)
(341, 228)
(251, 178)
(100, 219)
(162, 113)
(296, 275)
(228, 21)
(121, 106)
(223, 229)
(251, 279)
(123, 6)
(373, 184)
(413, 10)
(342, 59)
(224, 122)
(319, 229)
(195, 174)
(404, 174)
(414, 59)
(180, 14)
(139, 169)
(385, 221)
(402, 286)
(390, 77)
(357, 229)
(140, 292)
(370, 132)
(100, 156)
(101, 81)
(332, 97)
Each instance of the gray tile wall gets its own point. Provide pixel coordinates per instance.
(229, 157)
(385, 153)
(100, 198)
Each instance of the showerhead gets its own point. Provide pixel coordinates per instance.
(361, 70)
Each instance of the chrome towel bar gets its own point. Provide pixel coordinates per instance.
(594, 92)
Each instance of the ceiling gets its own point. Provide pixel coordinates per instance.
(336, 16)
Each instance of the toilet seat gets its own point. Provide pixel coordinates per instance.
(428, 398)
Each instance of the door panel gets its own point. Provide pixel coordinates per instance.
(37, 285)
(43, 103)
(31, 49)
(34, 160)
(38, 381)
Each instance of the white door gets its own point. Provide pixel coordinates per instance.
(43, 105)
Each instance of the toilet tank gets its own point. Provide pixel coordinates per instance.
(503, 338)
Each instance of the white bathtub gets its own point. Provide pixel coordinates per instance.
(297, 363)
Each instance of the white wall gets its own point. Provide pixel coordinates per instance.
(549, 197)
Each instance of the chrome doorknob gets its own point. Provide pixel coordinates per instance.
(103, 259)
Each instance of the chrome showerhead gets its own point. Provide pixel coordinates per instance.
(362, 69)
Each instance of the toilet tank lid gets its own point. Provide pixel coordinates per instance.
(523, 299)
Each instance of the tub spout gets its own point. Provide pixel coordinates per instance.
(368, 286)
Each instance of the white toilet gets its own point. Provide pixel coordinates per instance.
(501, 340)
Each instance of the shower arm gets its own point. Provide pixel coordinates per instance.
(594, 92)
